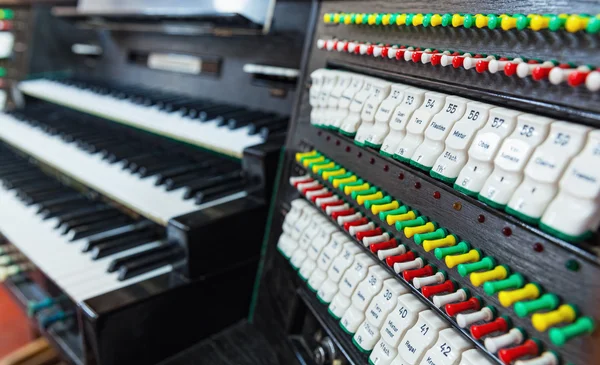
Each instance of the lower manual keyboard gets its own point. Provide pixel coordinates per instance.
(85, 246)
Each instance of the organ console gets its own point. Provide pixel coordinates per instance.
(436, 200)
(129, 149)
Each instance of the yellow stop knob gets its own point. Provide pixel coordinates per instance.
(481, 21)
(327, 18)
(371, 19)
(327, 174)
(508, 23)
(348, 19)
(361, 199)
(376, 209)
(417, 19)
(497, 273)
(308, 161)
(430, 245)
(336, 18)
(528, 292)
(393, 218)
(436, 20)
(457, 20)
(318, 168)
(425, 228)
(301, 155)
(348, 189)
(455, 260)
(566, 313)
(385, 20)
(359, 19)
(337, 182)
(401, 19)
(575, 23)
(539, 22)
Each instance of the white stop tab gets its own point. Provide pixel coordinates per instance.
(413, 99)
(316, 78)
(366, 336)
(437, 131)
(420, 337)
(321, 240)
(383, 353)
(381, 89)
(384, 302)
(302, 223)
(286, 245)
(351, 123)
(355, 274)
(338, 267)
(308, 235)
(454, 157)
(434, 102)
(512, 157)
(482, 152)
(544, 169)
(402, 317)
(344, 80)
(380, 128)
(447, 350)
(329, 79)
(474, 357)
(345, 100)
(294, 214)
(362, 296)
(332, 250)
(575, 210)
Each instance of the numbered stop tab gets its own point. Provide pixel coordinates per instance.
(447, 350)
(434, 102)
(401, 319)
(512, 157)
(344, 80)
(454, 157)
(351, 123)
(482, 152)
(381, 89)
(437, 131)
(413, 99)
(316, 78)
(348, 94)
(328, 81)
(574, 212)
(420, 337)
(544, 169)
(380, 128)
(336, 270)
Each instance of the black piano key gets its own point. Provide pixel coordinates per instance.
(148, 263)
(40, 187)
(266, 131)
(123, 243)
(140, 227)
(141, 157)
(50, 197)
(117, 263)
(81, 213)
(223, 118)
(205, 183)
(98, 227)
(255, 127)
(37, 197)
(153, 160)
(177, 171)
(219, 191)
(239, 122)
(88, 220)
(212, 113)
(158, 167)
(48, 211)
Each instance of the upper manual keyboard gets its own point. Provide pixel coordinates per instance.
(226, 129)
(157, 178)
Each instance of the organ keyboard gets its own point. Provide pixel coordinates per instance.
(227, 129)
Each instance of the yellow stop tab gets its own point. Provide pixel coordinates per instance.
(376, 209)
(349, 189)
(361, 199)
(318, 168)
(327, 174)
(337, 182)
(430, 245)
(308, 161)
(455, 260)
(528, 292)
(564, 314)
(497, 273)
(393, 218)
(301, 155)
(426, 228)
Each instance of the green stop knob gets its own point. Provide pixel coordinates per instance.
(460, 248)
(593, 25)
(9, 14)
(385, 200)
(419, 221)
(546, 301)
(435, 235)
(378, 18)
(2, 71)
(371, 190)
(427, 20)
(402, 210)
(522, 21)
(494, 21)
(469, 21)
(556, 22)
(446, 19)
(582, 326)
(515, 281)
(487, 263)
(353, 18)
(365, 18)
(393, 18)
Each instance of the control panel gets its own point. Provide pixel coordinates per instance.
(438, 200)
